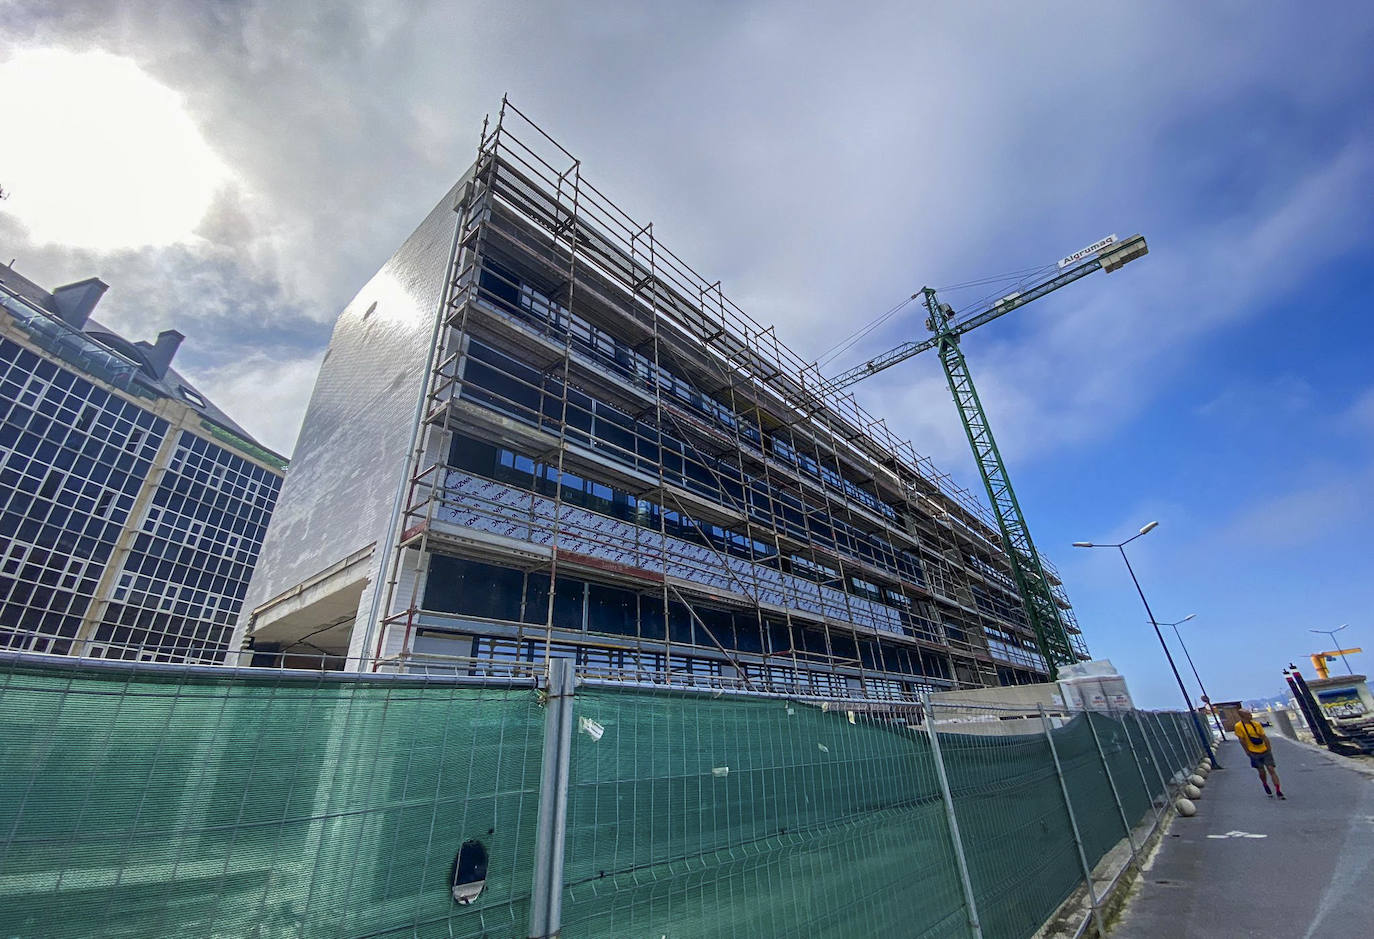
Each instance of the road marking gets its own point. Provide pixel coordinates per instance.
(1238, 834)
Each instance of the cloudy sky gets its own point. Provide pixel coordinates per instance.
(238, 170)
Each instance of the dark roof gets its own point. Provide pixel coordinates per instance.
(142, 372)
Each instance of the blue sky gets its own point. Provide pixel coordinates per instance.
(825, 164)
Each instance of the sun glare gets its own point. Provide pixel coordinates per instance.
(99, 155)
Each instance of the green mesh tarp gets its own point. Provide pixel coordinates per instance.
(1133, 786)
(156, 802)
(732, 816)
(1014, 827)
(1090, 790)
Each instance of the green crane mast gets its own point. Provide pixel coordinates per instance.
(1057, 647)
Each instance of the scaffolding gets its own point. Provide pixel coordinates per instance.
(572, 338)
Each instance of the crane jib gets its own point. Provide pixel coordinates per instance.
(1056, 635)
(1090, 249)
(1112, 255)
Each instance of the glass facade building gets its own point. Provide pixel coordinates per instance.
(132, 509)
(555, 439)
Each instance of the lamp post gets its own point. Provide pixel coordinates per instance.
(1335, 646)
(1205, 698)
(1121, 546)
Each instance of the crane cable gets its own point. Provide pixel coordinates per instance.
(847, 343)
(1023, 279)
(994, 278)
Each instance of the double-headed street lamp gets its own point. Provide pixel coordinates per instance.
(1205, 698)
(1121, 546)
(1335, 646)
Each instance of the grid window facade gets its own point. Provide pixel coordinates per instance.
(181, 586)
(72, 460)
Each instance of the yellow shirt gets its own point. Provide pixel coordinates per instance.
(1247, 729)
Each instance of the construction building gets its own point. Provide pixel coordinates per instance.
(537, 432)
(132, 509)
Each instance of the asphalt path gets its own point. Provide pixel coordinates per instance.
(1248, 865)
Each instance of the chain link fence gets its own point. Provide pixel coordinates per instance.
(149, 800)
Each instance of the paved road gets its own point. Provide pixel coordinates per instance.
(1310, 875)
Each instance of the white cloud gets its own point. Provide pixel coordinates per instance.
(1252, 399)
(1360, 414)
(268, 395)
(1093, 356)
(107, 157)
(822, 163)
(1331, 499)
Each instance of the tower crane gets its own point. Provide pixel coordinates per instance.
(1109, 254)
(1319, 660)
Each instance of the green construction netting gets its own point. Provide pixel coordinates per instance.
(1100, 824)
(157, 802)
(1014, 827)
(1132, 785)
(736, 816)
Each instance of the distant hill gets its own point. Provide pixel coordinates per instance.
(1274, 700)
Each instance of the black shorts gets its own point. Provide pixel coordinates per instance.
(1261, 759)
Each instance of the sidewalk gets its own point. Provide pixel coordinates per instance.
(1247, 865)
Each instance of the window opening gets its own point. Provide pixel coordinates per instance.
(85, 418)
(51, 483)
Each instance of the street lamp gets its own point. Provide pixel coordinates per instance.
(1205, 698)
(1335, 646)
(1121, 546)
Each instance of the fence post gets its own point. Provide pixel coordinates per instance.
(1181, 760)
(1158, 743)
(1189, 760)
(1174, 748)
(1116, 796)
(975, 928)
(1073, 823)
(546, 898)
(1140, 767)
(1189, 752)
(1158, 761)
(1195, 745)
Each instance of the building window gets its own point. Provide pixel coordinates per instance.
(52, 482)
(610, 610)
(471, 588)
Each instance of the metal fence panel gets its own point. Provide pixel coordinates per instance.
(1015, 828)
(1090, 791)
(1113, 730)
(172, 802)
(735, 816)
(144, 800)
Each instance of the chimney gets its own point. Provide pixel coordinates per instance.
(73, 303)
(160, 353)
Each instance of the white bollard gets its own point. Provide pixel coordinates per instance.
(1192, 792)
(1185, 808)
(1197, 781)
